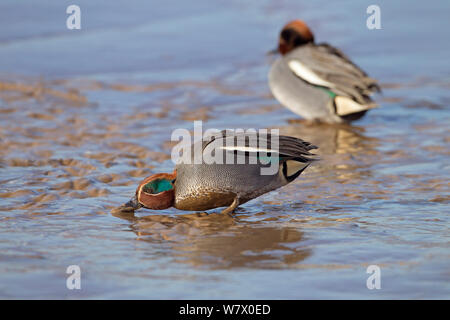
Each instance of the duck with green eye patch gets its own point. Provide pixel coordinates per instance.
(158, 186)
(203, 186)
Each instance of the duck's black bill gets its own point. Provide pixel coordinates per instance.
(272, 52)
(133, 204)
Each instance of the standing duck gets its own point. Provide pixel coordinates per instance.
(206, 185)
(318, 81)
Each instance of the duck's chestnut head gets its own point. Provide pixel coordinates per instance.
(156, 192)
(294, 34)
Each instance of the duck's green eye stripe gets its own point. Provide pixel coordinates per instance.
(157, 186)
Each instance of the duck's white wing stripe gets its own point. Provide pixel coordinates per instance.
(248, 149)
(307, 74)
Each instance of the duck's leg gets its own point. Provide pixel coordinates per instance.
(232, 206)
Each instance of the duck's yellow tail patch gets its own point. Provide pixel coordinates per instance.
(292, 169)
(293, 166)
(346, 106)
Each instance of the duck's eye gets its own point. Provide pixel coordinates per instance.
(286, 35)
(148, 188)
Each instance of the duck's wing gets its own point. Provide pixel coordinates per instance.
(326, 66)
(250, 143)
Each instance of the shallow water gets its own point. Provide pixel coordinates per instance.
(85, 115)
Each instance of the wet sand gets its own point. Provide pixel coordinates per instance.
(77, 137)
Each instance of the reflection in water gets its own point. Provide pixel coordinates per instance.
(347, 154)
(217, 241)
(332, 139)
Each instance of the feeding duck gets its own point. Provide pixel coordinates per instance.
(207, 185)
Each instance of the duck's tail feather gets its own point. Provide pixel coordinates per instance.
(346, 106)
